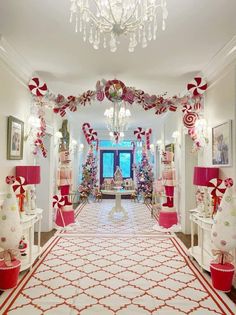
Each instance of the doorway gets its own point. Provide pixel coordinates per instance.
(110, 159)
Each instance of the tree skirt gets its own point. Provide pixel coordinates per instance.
(103, 275)
(93, 218)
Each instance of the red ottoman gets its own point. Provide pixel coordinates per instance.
(9, 275)
(222, 276)
(64, 218)
(167, 219)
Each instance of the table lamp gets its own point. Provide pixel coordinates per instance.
(201, 177)
(31, 173)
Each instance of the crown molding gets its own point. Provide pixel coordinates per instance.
(221, 63)
(14, 62)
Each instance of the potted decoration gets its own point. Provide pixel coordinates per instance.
(223, 236)
(10, 236)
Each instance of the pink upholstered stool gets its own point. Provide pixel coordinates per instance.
(167, 219)
(64, 218)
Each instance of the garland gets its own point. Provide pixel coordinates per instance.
(116, 91)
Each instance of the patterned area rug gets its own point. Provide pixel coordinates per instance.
(115, 275)
(93, 218)
(114, 266)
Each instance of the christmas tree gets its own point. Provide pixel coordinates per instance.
(144, 175)
(89, 174)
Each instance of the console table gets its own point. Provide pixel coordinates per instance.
(28, 222)
(118, 193)
(201, 252)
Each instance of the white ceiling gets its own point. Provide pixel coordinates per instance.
(40, 31)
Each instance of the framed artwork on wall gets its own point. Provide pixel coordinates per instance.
(15, 138)
(221, 144)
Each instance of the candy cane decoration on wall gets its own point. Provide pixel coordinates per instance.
(89, 133)
(139, 132)
(148, 134)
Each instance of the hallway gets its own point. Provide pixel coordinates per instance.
(114, 266)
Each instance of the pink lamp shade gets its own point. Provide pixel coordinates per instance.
(202, 175)
(30, 173)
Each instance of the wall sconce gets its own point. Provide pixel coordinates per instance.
(81, 147)
(152, 148)
(33, 126)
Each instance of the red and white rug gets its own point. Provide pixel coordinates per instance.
(93, 218)
(135, 275)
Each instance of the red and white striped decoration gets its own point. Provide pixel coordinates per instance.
(139, 132)
(37, 87)
(91, 135)
(58, 201)
(10, 180)
(18, 185)
(148, 134)
(172, 108)
(216, 187)
(189, 119)
(228, 182)
(197, 86)
(161, 110)
(186, 108)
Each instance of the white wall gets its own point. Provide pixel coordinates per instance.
(220, 106)
(15, 100)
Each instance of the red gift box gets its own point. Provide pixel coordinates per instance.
(9, 275)
(64, 218)
(167, 219)
(222, 276)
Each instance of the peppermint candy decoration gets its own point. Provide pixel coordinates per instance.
(228, 182)
(172, 108)
(216, 187)
(189, 119)
(72, 103)
(161, 110)
(129, 96)
(37, 87)
(100, 95)
(139, 132)
(58, 201)
(197, 106)
(197, 86)
(18, 185)
(186, 108)
(10, 180)
(91, 135)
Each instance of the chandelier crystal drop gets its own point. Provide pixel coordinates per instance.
(103, 21)
(117, 118)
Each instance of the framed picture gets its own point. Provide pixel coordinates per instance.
(221, 144)
(15, 138)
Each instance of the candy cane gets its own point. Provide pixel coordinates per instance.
(161, 110)
(217, 188)
(37, 87)
(197, 86)
(148, 134)
(139, 132)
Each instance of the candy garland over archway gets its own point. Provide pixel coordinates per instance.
(116, 91)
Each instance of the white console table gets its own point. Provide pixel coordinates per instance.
(201, 252)
(28, 222)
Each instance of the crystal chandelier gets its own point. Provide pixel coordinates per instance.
(117, 118)
(103, 21)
